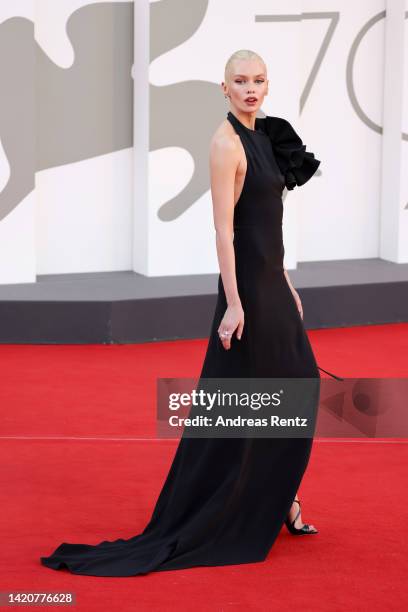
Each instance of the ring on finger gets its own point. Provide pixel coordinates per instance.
(225, 333)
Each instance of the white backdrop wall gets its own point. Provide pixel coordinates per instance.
(17, 143)
(393, 234)
(322, 69)
(402, 201)
(99, 172)
(84, 183)
(66, 160)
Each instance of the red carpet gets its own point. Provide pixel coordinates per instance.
(72, 471)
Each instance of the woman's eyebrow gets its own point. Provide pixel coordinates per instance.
(244, 75)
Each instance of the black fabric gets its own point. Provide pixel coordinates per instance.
(224, 500)
(296, 164)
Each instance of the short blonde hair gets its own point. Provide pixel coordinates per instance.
(241, 54)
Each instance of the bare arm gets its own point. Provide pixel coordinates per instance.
(294, 293)
(223, 165)
(288, 279)
(224, 160)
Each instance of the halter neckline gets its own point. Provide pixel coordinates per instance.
(257, 120)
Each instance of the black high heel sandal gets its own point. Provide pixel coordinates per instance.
(305, 530)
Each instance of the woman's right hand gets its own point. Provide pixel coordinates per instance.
(232, 320)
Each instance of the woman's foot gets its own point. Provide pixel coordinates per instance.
(294, 521)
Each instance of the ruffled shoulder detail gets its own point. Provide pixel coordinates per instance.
(296, 164)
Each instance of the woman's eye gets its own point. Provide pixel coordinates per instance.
(257, 81)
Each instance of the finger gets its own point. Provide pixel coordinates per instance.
(240, 329)
(225, 344)
(225, 339)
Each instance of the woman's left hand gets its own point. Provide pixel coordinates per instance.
(298, 302)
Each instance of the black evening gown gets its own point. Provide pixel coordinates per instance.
(225, 500)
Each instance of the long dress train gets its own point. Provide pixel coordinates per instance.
(224, 500)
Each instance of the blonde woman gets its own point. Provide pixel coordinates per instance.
(225, 500)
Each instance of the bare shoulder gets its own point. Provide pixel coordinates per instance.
(225, 144)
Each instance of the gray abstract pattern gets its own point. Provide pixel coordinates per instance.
(51, 116)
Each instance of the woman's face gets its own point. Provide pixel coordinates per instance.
(247, 85)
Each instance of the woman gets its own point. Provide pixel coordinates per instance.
(225, 500)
